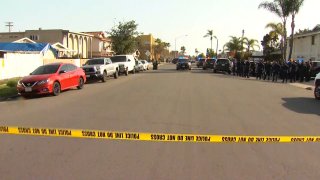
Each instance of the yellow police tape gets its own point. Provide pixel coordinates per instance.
(155, 137)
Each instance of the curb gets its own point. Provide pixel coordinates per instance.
(304, 86)
(8, 98)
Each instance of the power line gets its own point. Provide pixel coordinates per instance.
(9, 25)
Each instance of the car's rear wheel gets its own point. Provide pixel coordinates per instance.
(116, 74)
(214, 71)
(81, 83)
(317, 92)
(104, 76)
(56, 89)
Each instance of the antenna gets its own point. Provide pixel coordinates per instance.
(9, 25)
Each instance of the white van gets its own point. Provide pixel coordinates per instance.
(126, 63)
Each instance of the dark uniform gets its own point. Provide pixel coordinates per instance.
(267, 71)
(284, 72)
(292, 71)
(308, 71)
(259, 70)
(246, 69)
(275, 71)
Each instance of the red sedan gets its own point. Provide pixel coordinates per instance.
(52, 79)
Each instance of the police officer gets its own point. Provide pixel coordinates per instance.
(292, 71)
(246, 69)
(267, 71)
(238, 68)
(275, 71)
(308, 71)
(259, 70)
(284, 72)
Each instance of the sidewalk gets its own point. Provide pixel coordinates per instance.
(305, 85)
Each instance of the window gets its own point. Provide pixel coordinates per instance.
(71, 67)
(64, 68)
(34, 37)
(312, 40)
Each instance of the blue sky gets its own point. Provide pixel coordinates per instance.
(165, 19)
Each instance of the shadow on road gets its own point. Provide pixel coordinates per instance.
(302, 105)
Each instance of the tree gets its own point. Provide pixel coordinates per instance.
(160, 47)
(270, 45)
(251, 44)
(123, 37)
(280, 8)
(183, 50)
(234, 44)
(209, 34)
(277, 29)
(295, 6)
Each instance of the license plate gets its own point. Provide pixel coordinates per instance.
(28, 89)
(87, 76)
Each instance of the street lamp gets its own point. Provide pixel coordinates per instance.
(217, 46)
(175, 43)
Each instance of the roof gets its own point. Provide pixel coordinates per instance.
(24, 47)
(24, 40)
(27, 48)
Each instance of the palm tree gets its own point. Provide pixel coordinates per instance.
(295, 6)
(282, 9)
(209, 34)
(251, 44)
(183, 50)
(235, 44)
(277, 30)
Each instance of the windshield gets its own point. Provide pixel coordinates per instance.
(222, 61)
(47, 69)
(95, 61)
(183, 60)
(116, 59)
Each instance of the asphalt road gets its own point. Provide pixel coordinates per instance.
(165, 101)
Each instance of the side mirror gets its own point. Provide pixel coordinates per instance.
(129, 60)
(63, 71)
(30, 74)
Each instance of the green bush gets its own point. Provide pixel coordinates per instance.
(12, 83)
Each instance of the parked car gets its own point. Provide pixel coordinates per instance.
(139, 66)
(52, 79)
(175, 60)
(315, 68)
(200, 62)
(146, 65)
(208, 63)
(126, 63)
(183, 64)
(317, 87)
(222, 65)
(101, 69)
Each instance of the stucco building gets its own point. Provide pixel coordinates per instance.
(306, 46)
(101, 44)
(79, 44)
(146, 44)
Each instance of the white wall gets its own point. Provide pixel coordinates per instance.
(303, 48)
(18, 65)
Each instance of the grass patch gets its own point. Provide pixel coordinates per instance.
(5, 81)
(6, 91)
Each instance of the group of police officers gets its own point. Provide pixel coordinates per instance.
(291, 70)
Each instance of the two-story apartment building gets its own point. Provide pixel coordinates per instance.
(306, 46)
(146, 45)
(79, 44)
(101, 44)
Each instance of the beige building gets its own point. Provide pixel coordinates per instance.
(306, 46)
(79, 45)
(146, 45)
(101, 44)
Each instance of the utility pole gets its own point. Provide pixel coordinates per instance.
(242, 42)
(9, 25)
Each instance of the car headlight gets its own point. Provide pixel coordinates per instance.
(19, 83)
(43, 82)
